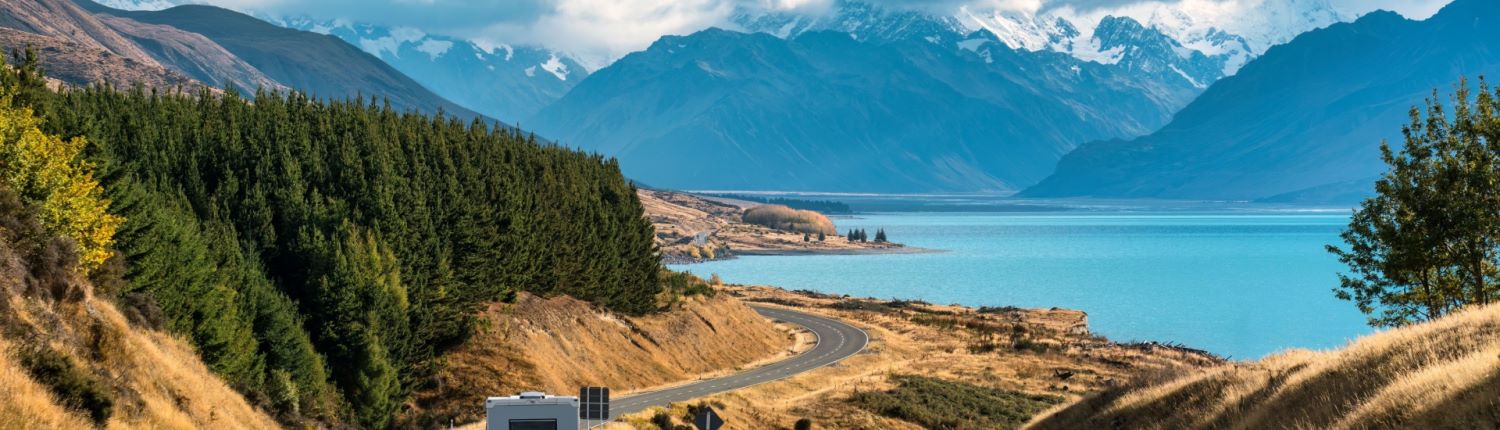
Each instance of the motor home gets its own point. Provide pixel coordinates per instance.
(531, 411)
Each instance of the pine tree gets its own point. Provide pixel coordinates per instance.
(880, 236)
(822, 237)
(362, 321)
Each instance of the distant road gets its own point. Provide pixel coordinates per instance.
(836, 341)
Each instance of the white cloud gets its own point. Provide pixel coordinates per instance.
(598, 32)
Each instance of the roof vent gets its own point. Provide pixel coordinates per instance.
(533, 395)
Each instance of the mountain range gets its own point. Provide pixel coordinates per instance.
(86, 43)
(824, 111)
(869, 98)
(866, 98)
(503, 81)
(980, 100)
(1302, 123)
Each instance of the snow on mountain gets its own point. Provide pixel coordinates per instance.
(862, 21)
(1231, 32)
(138, 4)
(1155, 34)
(502, 80)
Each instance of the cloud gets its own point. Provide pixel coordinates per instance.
(600, 31)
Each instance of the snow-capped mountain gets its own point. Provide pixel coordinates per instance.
(1199, 40)
(500, 80)
(862, 21)
(1232, 33)
(138, 4)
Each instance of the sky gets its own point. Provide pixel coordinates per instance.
(604, 30)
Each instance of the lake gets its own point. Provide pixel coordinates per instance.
(1238, 284)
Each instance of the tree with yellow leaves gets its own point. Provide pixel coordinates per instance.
(50, 176)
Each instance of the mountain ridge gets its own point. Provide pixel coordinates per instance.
(730, 109)
(320, 65)
(1306, 115)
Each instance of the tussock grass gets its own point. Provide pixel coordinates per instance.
(784, 218)
(70, 360)
(1442, 374)
(944, 404)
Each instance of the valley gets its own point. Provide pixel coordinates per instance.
(1129, 214)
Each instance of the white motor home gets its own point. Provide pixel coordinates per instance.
(531, 411)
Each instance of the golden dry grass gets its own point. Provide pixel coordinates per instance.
(155, 380)
(1442, 374)
(24, 404)
(900, 344)
(784, 218)
(559, 344)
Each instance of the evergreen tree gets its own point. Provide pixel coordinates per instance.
(822, 237)
(254, 225)
(362, 324)
(880, 236)
(1426, 245)
(806, 237)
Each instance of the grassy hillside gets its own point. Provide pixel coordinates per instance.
(535, 344)
(68, 357)
(282, 234)
(1441, 374)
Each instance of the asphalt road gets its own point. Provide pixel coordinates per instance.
(836, 341)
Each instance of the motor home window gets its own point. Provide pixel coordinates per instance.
(533, 424)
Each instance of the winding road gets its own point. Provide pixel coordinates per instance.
(836, 341)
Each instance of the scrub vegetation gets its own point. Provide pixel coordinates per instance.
(784, 218)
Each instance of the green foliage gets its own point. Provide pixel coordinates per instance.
(360, 309)
(322, 256)
(803, 424)
(47, 173)
(73, 387)
(941, 404)
(1428, 243)
(677, 285)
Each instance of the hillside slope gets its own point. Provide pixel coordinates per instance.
(505, 81)
(1442, 374)
(320, 65)
(82, 65)
(1303, 121)
(559, 344)
(69, 359)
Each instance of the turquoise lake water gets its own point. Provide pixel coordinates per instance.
(1240, 285)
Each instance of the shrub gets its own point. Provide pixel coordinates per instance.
(662, 420)
(942, 404)
(73, 387)
(803, 424)
(793, 220)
